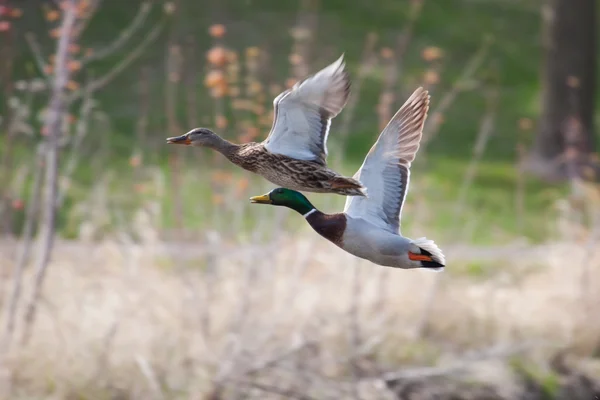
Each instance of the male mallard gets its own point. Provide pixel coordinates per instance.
(294, 154)
(369, 226)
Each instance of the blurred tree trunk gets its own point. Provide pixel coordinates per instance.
(566, 132)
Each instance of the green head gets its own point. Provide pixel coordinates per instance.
(285, 197)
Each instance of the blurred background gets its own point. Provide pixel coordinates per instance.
(136, 270)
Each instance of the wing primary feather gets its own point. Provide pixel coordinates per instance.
(303, 114)
(385, 172)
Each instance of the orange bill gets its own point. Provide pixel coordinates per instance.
(183, 139)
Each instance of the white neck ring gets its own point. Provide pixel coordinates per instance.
(310, 212)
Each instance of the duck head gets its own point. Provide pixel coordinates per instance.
(201, 137)
(286, 198)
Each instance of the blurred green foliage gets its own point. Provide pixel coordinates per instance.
(458, 27)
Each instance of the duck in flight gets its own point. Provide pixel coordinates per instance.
(294, 154)
(369, 227)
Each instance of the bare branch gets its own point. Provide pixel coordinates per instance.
(53, 125)
(36, 50)
(286, 393)
(459, 366)
(368, 62)
(150, 376)
(276, 359)
(433, 123)
(120, 67)
(85, 19)
(124, 36)
(23, 257)
(81, 131)
(486, 129)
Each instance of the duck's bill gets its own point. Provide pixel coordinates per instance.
(183, 139)
(264, 199)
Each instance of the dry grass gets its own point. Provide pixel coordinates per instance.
(145, 322)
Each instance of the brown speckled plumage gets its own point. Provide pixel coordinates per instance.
(288, 172)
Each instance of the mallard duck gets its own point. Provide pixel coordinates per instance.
(294, 153)
(369, 227)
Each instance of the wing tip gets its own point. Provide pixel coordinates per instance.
(420, 97)
(413, 112)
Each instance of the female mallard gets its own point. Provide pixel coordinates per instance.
(294, 154)
(369, 227)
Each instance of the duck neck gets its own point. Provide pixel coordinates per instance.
(225, 147)
(304, 208)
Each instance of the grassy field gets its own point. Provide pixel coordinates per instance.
(299, 318)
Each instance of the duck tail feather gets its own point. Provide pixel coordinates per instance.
(429, 248)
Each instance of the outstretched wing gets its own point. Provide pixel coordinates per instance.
(304, 112)
(386, 169)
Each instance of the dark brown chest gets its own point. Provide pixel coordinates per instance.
(331, 227)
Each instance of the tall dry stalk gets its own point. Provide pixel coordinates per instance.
(174, 65)
(464, 82)
(7, 49)
(486, 129)
(24, 253)
(141, 126)
(303, 34)
(17, 119)
(405, 37)
(76, 142)
(53, 126)
(367, 63)
(191, 85)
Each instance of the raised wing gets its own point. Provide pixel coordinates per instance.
(386, 169)
(304, 112)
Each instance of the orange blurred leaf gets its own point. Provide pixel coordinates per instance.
(74, 65)
(387, 53)
(221, 122)
(217, 199)
(135, 161)
(295, 59)
(74, 48)
(219, 91)
(217, 56)
(52, 15)
(214, 78)
(242, 186)
(525, 124)
(252, 51)
(290, 82)
(431, 77)
(169, 7)
(432, 53)
(217, 30)
(16, 13)
(72, 85)
(18, 204)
